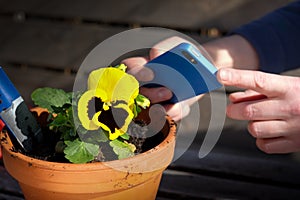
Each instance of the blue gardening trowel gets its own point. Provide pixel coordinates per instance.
(20, 122)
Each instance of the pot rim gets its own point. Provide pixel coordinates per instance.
(168, 141)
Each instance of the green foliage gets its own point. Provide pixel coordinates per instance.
(122, 149)
(78, 144)
(121, 67)
(80, 152)
(59, 105)
(50, 98)
(140, 102)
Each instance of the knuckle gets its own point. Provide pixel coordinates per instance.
(260, 80)
(295, 83)
(249, 112)
(295, 109)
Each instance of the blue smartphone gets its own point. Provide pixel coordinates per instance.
(185, 71)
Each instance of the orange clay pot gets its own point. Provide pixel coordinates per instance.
(1, 127)
(137, 177)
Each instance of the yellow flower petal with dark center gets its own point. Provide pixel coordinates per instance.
(99, 124)
(116, 134)
(115, 121)
(114, 92)
(83, 110)
(127, 120)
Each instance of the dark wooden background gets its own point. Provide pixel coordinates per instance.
(43, 43)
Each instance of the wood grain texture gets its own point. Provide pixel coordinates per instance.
(43, 43)
(188, 14)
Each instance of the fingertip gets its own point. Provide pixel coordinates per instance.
(155, 52)
(224, 75)
(177, 111)
(145, 74)
(136, 68)
(261, 145)
(164, 94)
(134, 62)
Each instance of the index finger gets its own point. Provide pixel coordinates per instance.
(136, 67)
(264, 83)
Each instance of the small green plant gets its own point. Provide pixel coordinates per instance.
(89, 122)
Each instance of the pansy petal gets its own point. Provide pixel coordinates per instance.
(126, 88)
(94, 77)
(100, 93)
(116, 91)
(83, 110)
(116, 134)
(100, 124)
(117, 84)
(129, 116)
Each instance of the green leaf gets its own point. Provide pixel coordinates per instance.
(50, 97)
(121, 67)
(92, 136)
(80, 152)
(142, 101)
(59, 120)
(122, 149)
(125, 136)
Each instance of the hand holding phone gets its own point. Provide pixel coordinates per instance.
(185, 71)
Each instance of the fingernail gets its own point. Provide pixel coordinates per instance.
(225, 75)
(164, 93)
(145, 74)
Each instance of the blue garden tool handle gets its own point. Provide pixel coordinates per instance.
(17, 117)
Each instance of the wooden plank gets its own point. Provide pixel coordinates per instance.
(50, 44)
(9, 188)
(53, 44)
(236, 156)
(9, 197)
(295, 72)
(26, 79)
(185, 185)
(178, 14)
(235, 153)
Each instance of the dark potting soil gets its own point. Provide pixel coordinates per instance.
(137, 131)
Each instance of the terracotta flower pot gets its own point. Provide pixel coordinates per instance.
(1, 127)
(137, 177)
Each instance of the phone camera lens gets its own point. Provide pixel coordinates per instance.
(189, 57)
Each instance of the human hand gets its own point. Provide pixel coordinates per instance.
(160, 94)
(271, 103)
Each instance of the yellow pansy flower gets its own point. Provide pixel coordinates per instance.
(108, 101)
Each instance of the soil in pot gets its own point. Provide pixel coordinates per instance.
(47, 150)
(135, 177)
